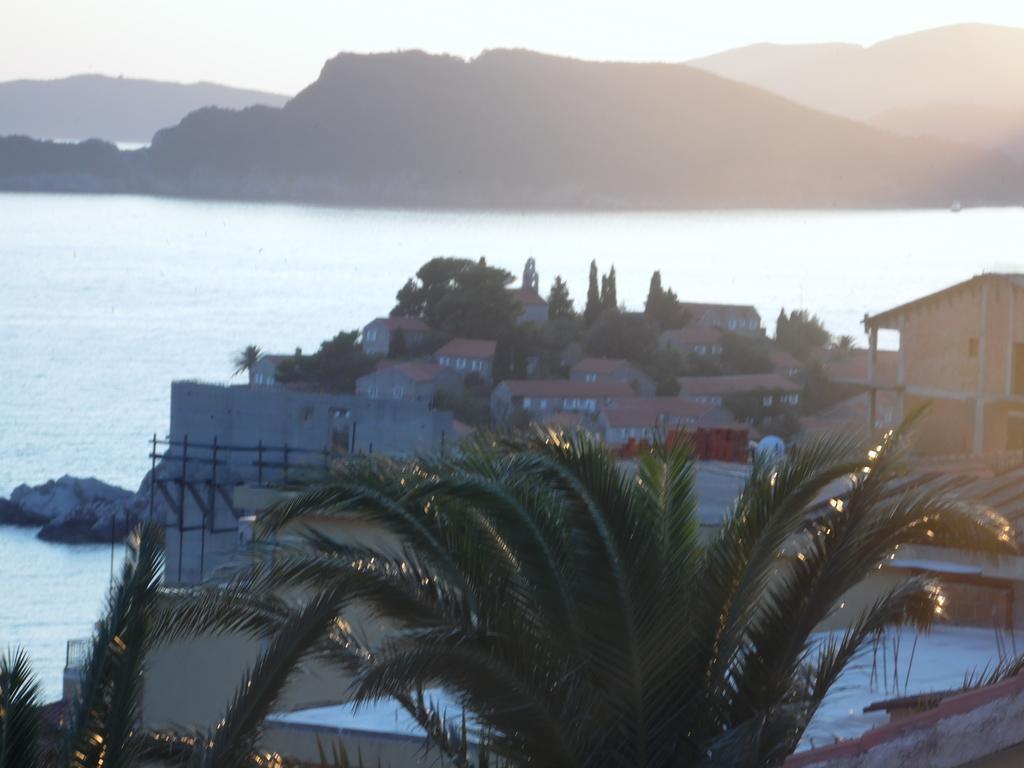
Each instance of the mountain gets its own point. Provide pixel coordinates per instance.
(963, 83)
(111, 108)
(515, 129)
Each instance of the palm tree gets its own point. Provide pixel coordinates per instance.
(571, 606)
(102, 725)
(20, 713)
(246, 359)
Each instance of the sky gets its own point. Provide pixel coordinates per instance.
(281, 45)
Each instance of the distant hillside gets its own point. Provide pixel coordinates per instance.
(514, 129)
(111, 108)
(961, 83)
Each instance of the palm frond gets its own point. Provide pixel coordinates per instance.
(104, 718)
(20, 712)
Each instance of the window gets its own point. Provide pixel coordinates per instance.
(460, 363)
(766, 401)
(591, 405)
(701, 349)
(591, 377)
(372, 390)
(398, 392)
(716, 349)
(527, 402)
(371, 335)
(444, 360)
(543, 405)
(791, 399)
(476, 365)
(972, 347)
(732, 325)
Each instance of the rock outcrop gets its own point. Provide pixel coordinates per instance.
(75, 510)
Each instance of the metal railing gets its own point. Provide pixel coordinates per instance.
(78, 651)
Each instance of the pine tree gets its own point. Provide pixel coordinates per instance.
(592, 311)
(559, 301)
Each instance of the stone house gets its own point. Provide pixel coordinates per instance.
(264, 373)
(542, 398)
(736, 318)
(702, 341)
(413, 380)
(601, 369)
(646, 418)
(773, 388)
(465, 356)
(379, 335)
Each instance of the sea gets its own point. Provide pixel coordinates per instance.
(105, 300)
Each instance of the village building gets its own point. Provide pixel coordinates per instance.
(543, 397)
(961, 352)
(735, 318)
(264, 372)
(466, 356)
(702, 341)
(381, 334)
(650, 418)
(784, 363)
(602, 369)
(774, 389)
(414, 380)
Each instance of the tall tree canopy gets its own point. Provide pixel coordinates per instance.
(460, 297)
(663, 305)
(800, 332)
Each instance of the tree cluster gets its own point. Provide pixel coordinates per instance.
(333, 368)
(460, 297)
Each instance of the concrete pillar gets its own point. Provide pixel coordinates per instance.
(901, 370)
(979, 401)
(1009, 340)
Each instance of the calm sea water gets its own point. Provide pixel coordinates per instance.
(105, 300)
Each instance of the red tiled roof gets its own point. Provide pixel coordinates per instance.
(782, 359)
(701, 306)
(693, 334)
(527, 297)
(930, 720)
(599, 365)
(400, 323)
(566, 388)
(477, 348)
(726, 385)
(414, 370)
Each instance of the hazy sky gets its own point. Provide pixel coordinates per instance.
(281, 45)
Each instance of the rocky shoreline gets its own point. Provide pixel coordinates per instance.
(75, 510)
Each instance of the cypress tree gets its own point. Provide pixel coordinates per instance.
(559, 301)
(592, 311)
